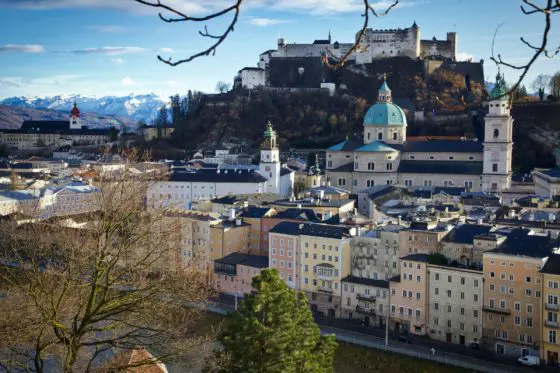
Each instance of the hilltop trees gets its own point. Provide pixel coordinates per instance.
(273, 332)
(540, 84)
(554, 86)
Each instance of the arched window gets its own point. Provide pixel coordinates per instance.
(496, 133)
(394, 135)
(380, 136)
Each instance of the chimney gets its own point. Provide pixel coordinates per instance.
(355, 211)
(400, 220)
(238, 222)
(232, 214)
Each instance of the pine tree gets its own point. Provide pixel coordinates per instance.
(273, 332)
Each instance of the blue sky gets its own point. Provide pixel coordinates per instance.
(109, 47)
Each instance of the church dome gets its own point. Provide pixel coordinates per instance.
(384, 112)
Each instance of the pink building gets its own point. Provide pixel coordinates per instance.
(233, 274)
(284, 253)
(292, 215)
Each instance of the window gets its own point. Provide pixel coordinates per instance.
(341, 181)
(449, 293)
(491, 287)
(380, 136)
(517, 320)
(451, 158)
(494, 167)
(408, 183)
(552, 336)
(517, 306)
(371, 166)
(437, 276)
(436, 291)
(475, 313)
(394, 135)
(449, 279)
(492, 274)
(418, 278)
(529, 322)
(529, 308)
(503, 304)
(427, 183)
(355, 165)
(436, 306)
(475, 297)
(417, 296)
(462, 310)
(528, 292)
(449, 323)
(462, 281)
(475, 283)
(496, 133)
(389, 166)
(436, 321)
(462, 295)
(370, 183)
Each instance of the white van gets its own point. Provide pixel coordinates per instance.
(530, 360)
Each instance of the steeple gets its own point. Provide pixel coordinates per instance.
(269, 137)
(385, 94)
(329, 36)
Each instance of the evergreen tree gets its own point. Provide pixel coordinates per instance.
(273, 332)
(161, 121)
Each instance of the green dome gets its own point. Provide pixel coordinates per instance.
(385, 113)
(269, 131)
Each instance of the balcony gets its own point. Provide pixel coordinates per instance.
(551, 307)
(551, 324)
(501, 311)
(369, 298)
(365, 311)
(324, 289)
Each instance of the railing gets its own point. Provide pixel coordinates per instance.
(551, 324)
(325, 289)
(370, 298)
(503, 311)
(551, 307)
(365, 311)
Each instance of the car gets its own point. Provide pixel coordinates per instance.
(475, 346)
(404, 339)
(530, 360)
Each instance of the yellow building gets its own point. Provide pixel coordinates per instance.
(229, 237)
(253, 215)
(512, 294)
(152, 133)
(325, 261)
(550, 349)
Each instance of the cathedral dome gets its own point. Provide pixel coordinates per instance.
(384, 112)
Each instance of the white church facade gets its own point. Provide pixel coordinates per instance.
(384, 156)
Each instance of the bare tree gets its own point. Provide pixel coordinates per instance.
(554, 85)
(117, 283)
(543, 48)
(222, 87)
(540, 84)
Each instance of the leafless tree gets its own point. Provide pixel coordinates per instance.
(540, 84)
(114, 284)
(222, 87)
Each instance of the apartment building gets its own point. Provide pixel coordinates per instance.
(550, 305)
(325, 252)
(409, 298)
(421, 238)
(512, 293)
(375, 255)
(460, 246)
(233, 274)
(455, 304)
(284, 253)
(365, 299)
(298, 215)
(253, 216)
(229, 237)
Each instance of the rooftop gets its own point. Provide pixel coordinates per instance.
(552, 265)
(311, 229)
(367, 281)
(521, 242)
(255, 261)
(416, 258)
(255, 212)
(218, 176)
(465, 233)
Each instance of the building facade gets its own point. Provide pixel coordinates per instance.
(550, 306)
(455, 304)
(365, 299)
(384, 156)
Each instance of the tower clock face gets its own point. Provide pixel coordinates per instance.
(495, 156)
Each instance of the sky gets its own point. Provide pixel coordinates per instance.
(109, 47)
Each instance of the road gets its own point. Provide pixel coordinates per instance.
(421, 347)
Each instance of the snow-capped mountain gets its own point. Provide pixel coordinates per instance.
(136, 108)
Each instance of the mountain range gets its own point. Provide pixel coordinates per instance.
(98, 111)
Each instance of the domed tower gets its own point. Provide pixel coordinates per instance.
(75, 121)
(498, 140)
(385, 121)
(270, 160)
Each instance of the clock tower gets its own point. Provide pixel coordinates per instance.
(269, 166)
(498, 140)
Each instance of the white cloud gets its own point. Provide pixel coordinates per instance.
(463, 56)
(10, 82)
(22, 48)
(171, 83)
(166, 50)
(128, 82)
(111, 51)
(263, 22)
(117, 60)
(54, 80)
(108, 28)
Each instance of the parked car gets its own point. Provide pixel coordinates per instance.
(404, 339)
(475, 346)
(530, 360)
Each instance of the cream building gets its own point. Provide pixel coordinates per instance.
(365, 299)
(455, 304)
(384, 156)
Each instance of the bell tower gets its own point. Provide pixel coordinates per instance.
(269, 166)
(75, 121)
(498, 140)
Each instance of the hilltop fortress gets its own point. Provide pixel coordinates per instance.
(300, 65)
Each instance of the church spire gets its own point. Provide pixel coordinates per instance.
(384, 94)
(329, 36)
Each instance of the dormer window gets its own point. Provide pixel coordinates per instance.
(380, 136)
